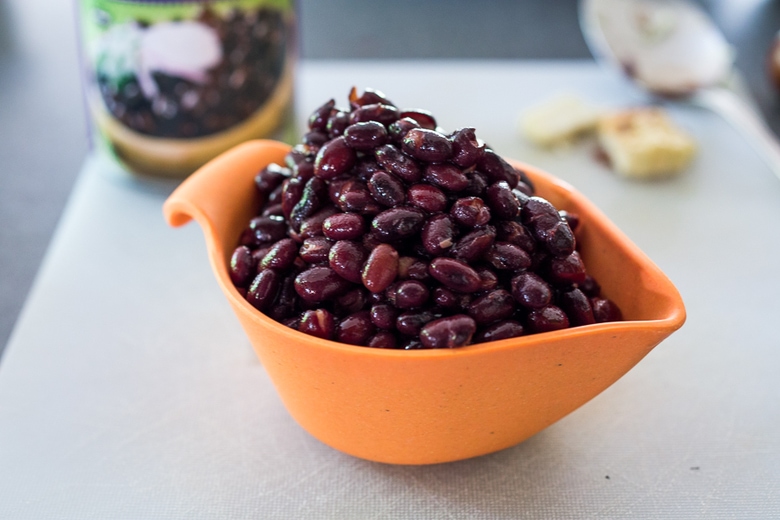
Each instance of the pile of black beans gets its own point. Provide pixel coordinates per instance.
(382, 230)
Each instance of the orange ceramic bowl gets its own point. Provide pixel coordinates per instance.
(431, 406)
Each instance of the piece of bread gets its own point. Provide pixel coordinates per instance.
(645, 143)
(559, 120)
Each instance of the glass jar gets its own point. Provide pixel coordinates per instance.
(171, 84)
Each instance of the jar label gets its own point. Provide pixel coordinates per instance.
(195, 76)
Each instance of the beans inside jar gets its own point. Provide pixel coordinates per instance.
(385, 231)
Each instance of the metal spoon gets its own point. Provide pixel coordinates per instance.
(672, 49)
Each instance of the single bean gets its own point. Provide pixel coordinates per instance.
(380, 112)
(531, 291)
(438, 235)
(474, 245)
(281, 256)
(502, 202)
(426, 197)
(365, 135)
(446, 176)
(454, 274)
(318, 120)
(427, 145)
(547, 319)
(263, 290)
(577, 307)
(398, 129)
(243, 266)
(315, 250)
(355, 329)
(319, 323)
(502, 330)
(344, 226)
(392, 160)
(470, 212)
(381, 268)
(386, 189)
(346, 258)
(466, 148)
(334, 158)
(493, 306)
(398, 223)
(320, 284)
(450, 332)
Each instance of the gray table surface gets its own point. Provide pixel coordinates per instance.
(43, 134)
(129, 390)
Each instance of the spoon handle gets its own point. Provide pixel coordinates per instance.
(746, 120)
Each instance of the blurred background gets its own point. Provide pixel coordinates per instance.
(43, 125)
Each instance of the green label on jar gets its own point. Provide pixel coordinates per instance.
(211, 74)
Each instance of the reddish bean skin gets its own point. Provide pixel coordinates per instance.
(352, 301)
(386, 189)
(427, 145)
(567, 270)
(281, 256)
(381, 268)
(243, 266)
(445, 298)
(315, 250)
(398, 129)
(318, 120)
(264, 289)
(454, 274)
(450, 332)
(320, 284)
(392, 160)
(409, 294)
(355, 329)
(383, 316)
(577, 307)
(502, 330)
(380, 112)
(426, 197)
(515, 233)
(292, 190)
(399, 223)
(346, 258)
(334, 158)
(270, 178)
(497, 169)
(605, 310)
(370, 96)
(410, 323)
(547, 319)
(337, 123)
(446, 176)
(466, 149)
(344, 226)
(265, 230)
(506, 256)
(422, 117)
(383, 339)
(319, 323)
(474, 245)
(548, 227)
(493, 306)
(438, 235)
(502, 202)
(470, 212)
(365, 135)
(531, 291)
(312, 226)
(413, 268)
(355, 197)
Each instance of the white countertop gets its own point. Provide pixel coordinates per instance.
(128, 389)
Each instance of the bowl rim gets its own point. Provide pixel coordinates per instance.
(665, 325)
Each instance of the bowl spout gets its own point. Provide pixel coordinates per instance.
(229, 177)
